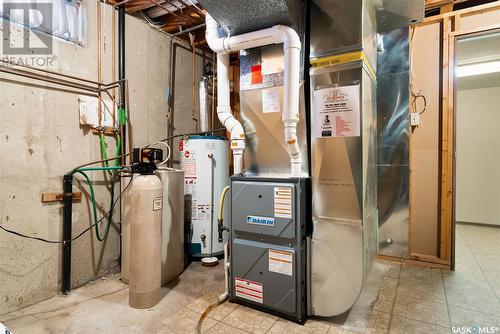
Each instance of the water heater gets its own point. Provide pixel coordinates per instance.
(204, 160)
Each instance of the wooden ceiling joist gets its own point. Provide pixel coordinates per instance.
(170, 16)
(446, 6)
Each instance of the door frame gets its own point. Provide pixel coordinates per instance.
(448, 158)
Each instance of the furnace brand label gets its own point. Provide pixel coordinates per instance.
(256, 220)
(283, 202)
(249, 290)
(281, 262)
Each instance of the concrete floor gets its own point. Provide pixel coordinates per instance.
(396, 299)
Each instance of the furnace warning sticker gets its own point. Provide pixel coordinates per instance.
(336, 112)
(281, 262)
(283, 202)
(248, 290)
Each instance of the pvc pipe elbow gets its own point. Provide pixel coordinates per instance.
(289, 37)
(214, 42)
(238, 161)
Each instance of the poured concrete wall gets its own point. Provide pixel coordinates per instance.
(41, 139)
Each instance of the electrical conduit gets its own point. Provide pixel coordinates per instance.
(291, 44)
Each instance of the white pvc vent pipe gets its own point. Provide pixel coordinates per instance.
(291, 44)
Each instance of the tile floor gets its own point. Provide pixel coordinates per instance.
(396, 299)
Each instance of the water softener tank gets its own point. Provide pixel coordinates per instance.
(125, 230)
(172, 224)
(145, 241)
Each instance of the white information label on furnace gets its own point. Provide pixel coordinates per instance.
(281, 262)
(336, 112)
(249, 290)
(283, 202)
(271, 100)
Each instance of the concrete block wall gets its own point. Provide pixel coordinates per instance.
(41, 139)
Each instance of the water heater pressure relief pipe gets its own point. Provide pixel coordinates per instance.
(291, 44)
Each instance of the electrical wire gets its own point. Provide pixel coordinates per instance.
(169, 150)
(193, 134)
(207, 311)
(80, 234)
(415, 96)
(165, 139)
(99, 161)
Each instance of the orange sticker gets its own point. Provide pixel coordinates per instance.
(256, 74)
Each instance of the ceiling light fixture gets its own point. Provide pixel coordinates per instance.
(477, 69)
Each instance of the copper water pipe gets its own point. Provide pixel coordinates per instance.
(40, 77)
(99, 62)
(113, 62)
(10, 63)
(212, 120)
(193, 79)
(57, 81)
(169, 11)
(196, 9)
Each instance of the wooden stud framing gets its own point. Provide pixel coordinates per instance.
(451, 29)
(447, 147)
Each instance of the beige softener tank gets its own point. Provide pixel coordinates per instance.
(145, 241)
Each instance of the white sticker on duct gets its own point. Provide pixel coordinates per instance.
(336, 112)
(271, 100)
(283, 202)
(157, 203)
(281, 262)
(249, 290)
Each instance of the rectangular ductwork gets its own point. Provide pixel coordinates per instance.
(242, 16)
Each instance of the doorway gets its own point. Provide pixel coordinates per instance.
(477, 157)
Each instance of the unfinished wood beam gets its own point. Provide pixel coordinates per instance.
(447, 8)
(58, 197)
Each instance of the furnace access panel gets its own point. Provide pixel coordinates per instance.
(270, 220)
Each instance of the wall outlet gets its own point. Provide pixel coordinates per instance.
(414, 119)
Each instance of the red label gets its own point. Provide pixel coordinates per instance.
(181, 145)
(256, 74)
(186, 154)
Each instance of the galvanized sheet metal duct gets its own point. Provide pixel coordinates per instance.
(242, 16)
(394, 14)
(393, 142)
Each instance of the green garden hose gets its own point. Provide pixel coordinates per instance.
(92, 197)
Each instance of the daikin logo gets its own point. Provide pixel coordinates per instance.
(266, 221)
